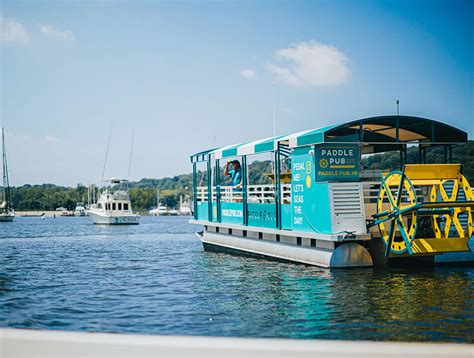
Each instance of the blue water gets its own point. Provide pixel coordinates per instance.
(154, 278)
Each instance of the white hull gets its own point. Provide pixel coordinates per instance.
(101, 219)
(7, 217)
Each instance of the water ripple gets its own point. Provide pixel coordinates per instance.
(154, 278)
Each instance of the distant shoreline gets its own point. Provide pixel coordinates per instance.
(54, 213)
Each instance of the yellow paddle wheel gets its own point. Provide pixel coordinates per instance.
(424, 209)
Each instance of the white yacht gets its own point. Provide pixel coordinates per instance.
(159, 211)
(80, 210)
(7, 213)
(114, 206)
(185, 206)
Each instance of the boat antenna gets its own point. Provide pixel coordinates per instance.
(106, 154)
(398, 107)
(274, 124)
(131, 151)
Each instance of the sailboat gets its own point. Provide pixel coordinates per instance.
(7, 214)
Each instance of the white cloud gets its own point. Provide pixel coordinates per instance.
(311, 64)
(248, 74)
(51, 139)
(13, 31)
(51, 31)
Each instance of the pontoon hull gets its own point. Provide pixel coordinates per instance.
(346, 255)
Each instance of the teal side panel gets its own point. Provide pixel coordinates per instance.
(310, 200)
(286, 217)
(262, 215)
(202, 210)
(232, 213)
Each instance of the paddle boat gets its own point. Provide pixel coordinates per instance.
(320, 207)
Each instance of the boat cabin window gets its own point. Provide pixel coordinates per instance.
(260, 183)
(201, 176)
(125, 206)
(119, 206)
(99, 206)
(113, 206)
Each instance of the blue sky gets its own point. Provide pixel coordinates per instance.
(193, 75)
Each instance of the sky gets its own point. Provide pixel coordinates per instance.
(188, 76)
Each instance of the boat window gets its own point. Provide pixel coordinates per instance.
(201, 177)
(113, 206)
(99, 206)
(119, 206)
(125, 206)
(260, 185)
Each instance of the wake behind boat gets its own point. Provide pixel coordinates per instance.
(114, 206)
(7, 214)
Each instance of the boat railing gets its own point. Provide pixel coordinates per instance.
(119, 196)
(259, 193)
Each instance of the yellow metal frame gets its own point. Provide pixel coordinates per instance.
(433, 176)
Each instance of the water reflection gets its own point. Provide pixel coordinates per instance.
(158, 280)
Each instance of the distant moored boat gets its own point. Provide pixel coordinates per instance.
(114, 206)
(7, 214)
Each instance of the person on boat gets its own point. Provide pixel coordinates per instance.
(233, 170)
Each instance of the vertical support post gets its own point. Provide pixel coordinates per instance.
(397, 130)
(209, 189)
(218, 190)
(424, 155)
(277, 187)
(245, 211)
(403, 156)
(420, 154)
(195, 204)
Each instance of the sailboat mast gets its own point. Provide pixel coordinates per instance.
(6, 183)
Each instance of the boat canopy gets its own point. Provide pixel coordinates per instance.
(255, 147)
(376, 134)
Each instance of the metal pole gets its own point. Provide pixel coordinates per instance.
(209, 189)
(274, 120)
(218, 191)
(194, 192)
(244, 191)
(277, 188)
